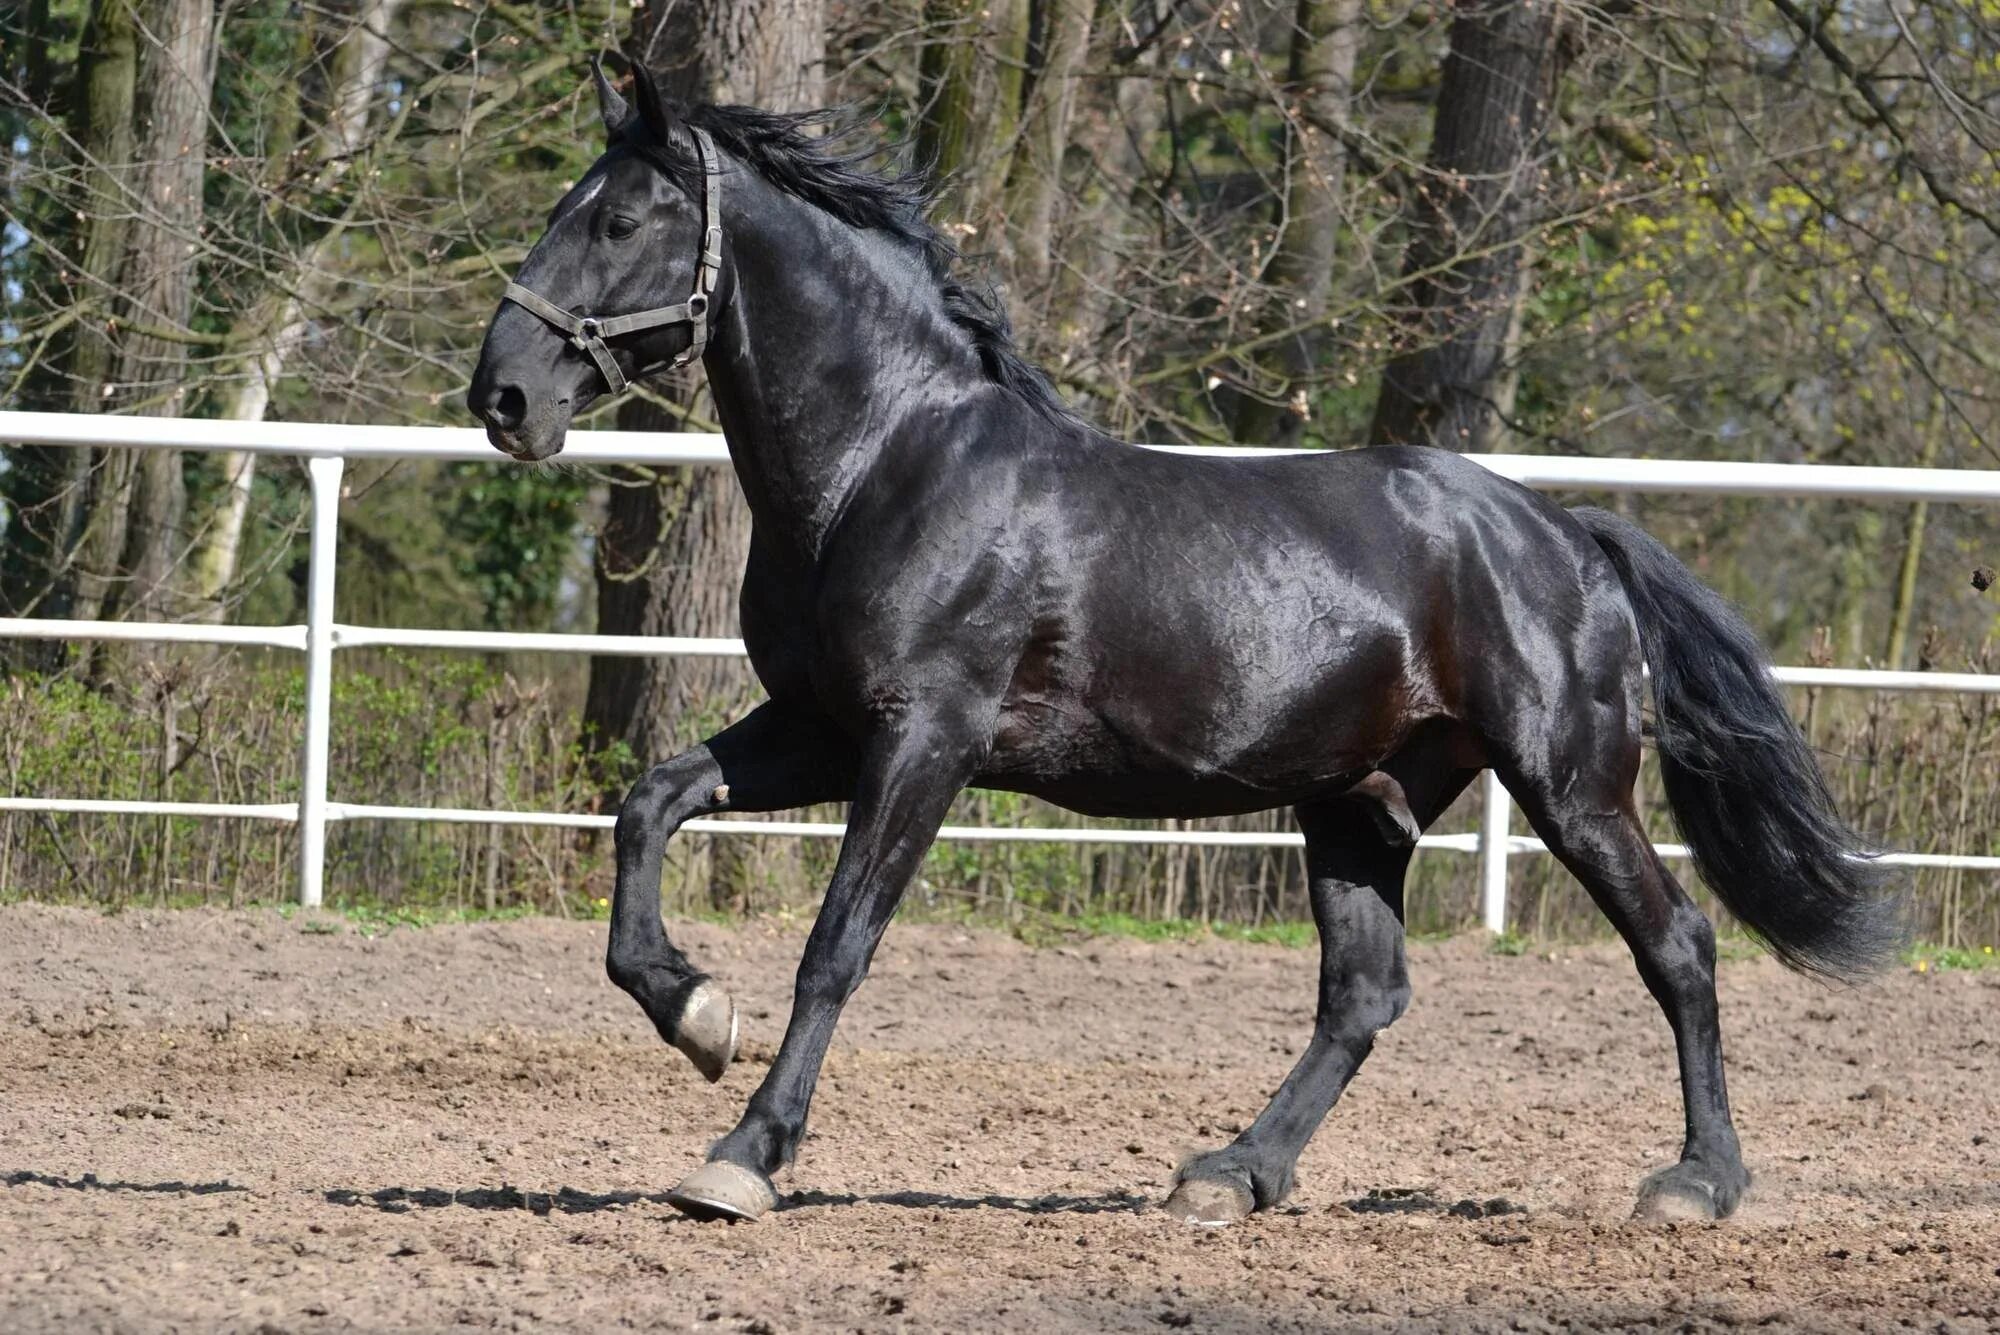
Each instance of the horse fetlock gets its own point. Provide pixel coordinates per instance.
(695, 1014)
(1226, 1185)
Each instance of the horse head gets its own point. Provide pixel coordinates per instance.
(619, 284)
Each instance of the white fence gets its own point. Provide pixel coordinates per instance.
(327, 447)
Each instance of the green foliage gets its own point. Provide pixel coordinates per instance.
(1725, 258)
(516, 529)
(1940, 959)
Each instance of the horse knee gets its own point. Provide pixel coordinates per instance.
(646, 803)
(654, 798)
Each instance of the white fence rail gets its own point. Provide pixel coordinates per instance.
(326, 449)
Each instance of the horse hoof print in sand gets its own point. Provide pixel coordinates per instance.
(953, 582)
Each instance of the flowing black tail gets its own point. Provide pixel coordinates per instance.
(1745, 789)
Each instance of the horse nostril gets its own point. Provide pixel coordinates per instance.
(507, 408)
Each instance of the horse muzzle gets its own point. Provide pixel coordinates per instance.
(523, 429)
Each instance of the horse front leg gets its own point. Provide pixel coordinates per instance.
(906, 783)
(770, 760)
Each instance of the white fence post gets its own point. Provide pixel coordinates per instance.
(1495, 807)
(325, 474)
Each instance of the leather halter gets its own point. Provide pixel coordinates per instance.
(587, 333)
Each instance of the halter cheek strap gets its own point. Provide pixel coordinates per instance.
(588, 334)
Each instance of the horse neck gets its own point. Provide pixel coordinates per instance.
(831, 339)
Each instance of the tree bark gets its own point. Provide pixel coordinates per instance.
(105, 89)
(948, 91)
(137, 506)
(1319, 85)
(1034, 178)
(1903, 609)
(1117, 198)
(1472, 209)
(969, 93)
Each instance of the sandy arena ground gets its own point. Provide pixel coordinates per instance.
(224, 1121)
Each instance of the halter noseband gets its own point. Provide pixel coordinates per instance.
(587, 333)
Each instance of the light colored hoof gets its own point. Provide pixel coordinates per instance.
(707, 1029)
(1210, 1201)
(723, 1190)
(1676, 1200)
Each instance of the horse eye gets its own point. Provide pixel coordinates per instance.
(620, 228)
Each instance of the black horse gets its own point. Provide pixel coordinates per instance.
(953, 582)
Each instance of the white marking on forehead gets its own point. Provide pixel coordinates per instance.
(591, 190)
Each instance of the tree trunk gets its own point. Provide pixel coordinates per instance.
(107, 88)
(279, 320)
(1326, 37)
(948, 91)
(1472, 207)
(44, 546)
(969, 93)
(138, 505)
(1903, 608)
(1034, 178)
(1128, 123)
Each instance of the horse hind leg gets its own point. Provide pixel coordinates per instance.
(1578, 798)
(1356, 855)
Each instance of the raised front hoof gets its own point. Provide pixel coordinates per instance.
(1689, 1192)
(707, 1029)
(723, 1190)
(1211, 1201)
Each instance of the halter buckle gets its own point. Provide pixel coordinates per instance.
(589, 330)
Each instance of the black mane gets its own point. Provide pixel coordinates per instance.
(828, 172)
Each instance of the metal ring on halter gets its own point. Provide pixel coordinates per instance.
(587, 333)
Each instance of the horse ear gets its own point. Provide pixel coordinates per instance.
(610, 105)
(652, 110)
